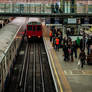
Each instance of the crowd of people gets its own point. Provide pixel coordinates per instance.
(56, 38)
(70, 48)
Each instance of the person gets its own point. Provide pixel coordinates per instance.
(57, 43)
(75, 48)
(65, 40)
(89, 45)
(60, 39)
(81, 44)
(66, 54)
(78, 41)
(71, 52)
(82, 57)
(50, 34)
(53, 41)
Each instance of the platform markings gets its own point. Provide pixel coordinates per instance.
(78, 72)
(57, 77)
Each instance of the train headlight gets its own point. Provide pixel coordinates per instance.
(38, 36)
(29, 36)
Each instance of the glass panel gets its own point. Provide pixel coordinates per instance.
(0, 73)
(38, 28)
(29, 28)
(34, 28)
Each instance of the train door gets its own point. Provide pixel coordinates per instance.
(29, 31)
(34, 30)
(39, 30)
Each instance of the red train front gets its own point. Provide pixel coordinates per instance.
(34, 28)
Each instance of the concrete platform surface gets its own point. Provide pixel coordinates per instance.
(68, 75)
(79, 79)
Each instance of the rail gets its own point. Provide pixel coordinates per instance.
(40, 55)
(23, 69)
(35, 76)
(26, 72)
(34, 71)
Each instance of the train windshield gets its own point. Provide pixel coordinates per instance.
(29, 28)
(33, 28)
(38, 28)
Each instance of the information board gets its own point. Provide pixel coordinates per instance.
(71, 20)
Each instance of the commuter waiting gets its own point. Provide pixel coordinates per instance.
(57, 43)
(50, 34)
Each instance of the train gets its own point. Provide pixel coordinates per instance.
(34, 28)
(10, 39)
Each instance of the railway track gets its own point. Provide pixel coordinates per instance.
(35, 74)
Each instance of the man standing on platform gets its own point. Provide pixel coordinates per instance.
(82, 57)
(57, 43)
(50, 34)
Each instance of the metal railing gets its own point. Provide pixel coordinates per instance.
(24, 8)
(37, 8)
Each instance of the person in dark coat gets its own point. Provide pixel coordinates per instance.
(82, 57)
(65, 41)
(75, 48)
(89, 42)
(66, 54)
(72, 50)
(81, 44)
(50, 35)
(54, 37)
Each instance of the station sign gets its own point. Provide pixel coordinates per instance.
(71, 20)
(56, 25)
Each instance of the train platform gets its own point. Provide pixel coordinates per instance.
(67, 76)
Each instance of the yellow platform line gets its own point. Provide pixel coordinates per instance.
(61, 74)
(58, 80)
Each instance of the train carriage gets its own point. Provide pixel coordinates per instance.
(10, 39)
(34, 28)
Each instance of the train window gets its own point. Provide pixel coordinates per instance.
(29, 28)
(4, 68)
(10, 54)
(0, 73)
(13, 48)
(34, 28)
(7, 58)
(38, 28)
(15, 43)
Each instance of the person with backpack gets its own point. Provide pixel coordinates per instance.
(82, 57)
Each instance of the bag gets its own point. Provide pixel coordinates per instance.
(79, 62)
